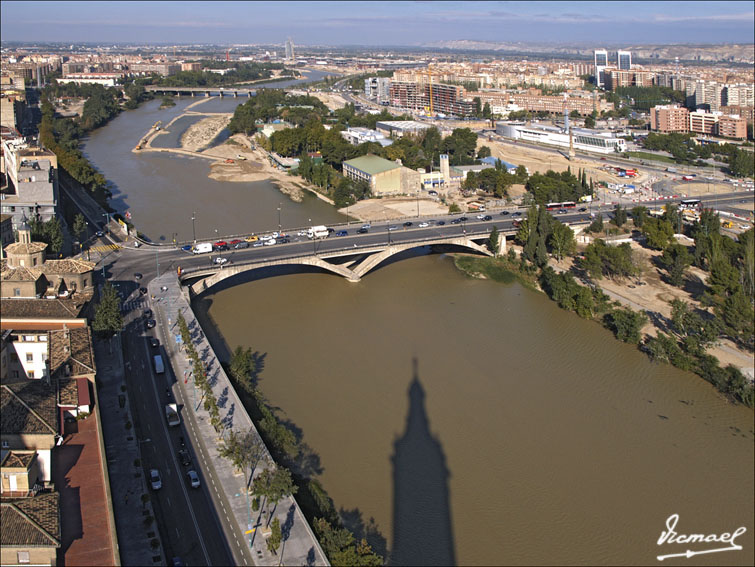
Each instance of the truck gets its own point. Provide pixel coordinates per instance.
(202, 248)
(320, 231)
(159, 366)
(727, 224)
(671, 170)
(171, 414)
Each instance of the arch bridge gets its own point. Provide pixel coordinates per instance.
(353, 271)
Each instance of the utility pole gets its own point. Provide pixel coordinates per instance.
(193, 228)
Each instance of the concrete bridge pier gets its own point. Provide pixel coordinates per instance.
(235, 94)
(249, 94)
(207, 93)
(501, 243)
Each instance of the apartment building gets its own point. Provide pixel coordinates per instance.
(601, 62)
(615, 78)
(32, 176)
(669, 118)
(533, 101)
(732, 127)
(446, 99)
(704, 122)
(624, 60)
(164, 69)
(746, 112)
(378, 89)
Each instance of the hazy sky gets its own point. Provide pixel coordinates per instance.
(378, 23)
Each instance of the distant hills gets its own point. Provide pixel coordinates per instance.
(733, 53)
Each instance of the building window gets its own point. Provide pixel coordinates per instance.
(5, 443)
(29, 357)
(23, 557)
(17, 291)
(31, 374)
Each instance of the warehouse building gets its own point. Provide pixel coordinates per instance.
(384, 177)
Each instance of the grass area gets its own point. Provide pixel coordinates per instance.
(496, 269)
(651, 157)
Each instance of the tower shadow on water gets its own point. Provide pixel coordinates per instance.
(422, 530)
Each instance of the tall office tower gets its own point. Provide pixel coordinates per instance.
(624, 60)
(290, 49)
(601, 62)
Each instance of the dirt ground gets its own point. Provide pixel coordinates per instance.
(198, 135)
(331, 100)
(393, 208)
(655, 296)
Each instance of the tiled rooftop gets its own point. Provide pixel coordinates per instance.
(70, 346)
(67, 266)
(18, 459)
(32, 522)
(28, 407)
(25, 308)
(68, 393)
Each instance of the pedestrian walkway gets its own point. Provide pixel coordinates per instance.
(300, 546)
(105, 247)
(127, 483)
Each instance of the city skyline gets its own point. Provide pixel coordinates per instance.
(378, 23)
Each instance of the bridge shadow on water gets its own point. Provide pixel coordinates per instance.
(422, 526)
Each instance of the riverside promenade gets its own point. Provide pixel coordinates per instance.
(299, 546)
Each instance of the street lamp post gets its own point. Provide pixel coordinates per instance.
(279, 216)
(107, 224)
(193, 228)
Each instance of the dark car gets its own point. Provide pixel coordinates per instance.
(220, 245)
(362, 231)
(143, 290)
(184, 457)
(504, 213)
(137, 276)
(441, 223)
(233, 243)
(516, 214)
(241, 244)
(187, 248)
(147, 313)
(153, 342)
(408, 223)
(487, 217)
(100, 234)
(151, 323)
(463, 219)
(283, 240)
(342, 233)
(582, 209)
(182, 442)
(456, 221)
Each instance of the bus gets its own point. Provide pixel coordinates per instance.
(690, 203)
(568, 205)
(552, 206)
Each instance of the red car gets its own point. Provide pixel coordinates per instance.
(220, 245)
(233, 243)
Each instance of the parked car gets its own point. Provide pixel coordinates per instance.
(137, 276)
(151, 324)
(187, 248)
(148, 313)
(143, 290)
(233, 243)
(137, 244)
(193, 478)
(154, 479)
(153, 342)
(241, 244)
(258, 243)
(220, 245)
(100, 234)
(252, 238)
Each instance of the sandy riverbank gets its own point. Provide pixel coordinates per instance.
(199, 135)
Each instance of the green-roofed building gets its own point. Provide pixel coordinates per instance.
(384, 176)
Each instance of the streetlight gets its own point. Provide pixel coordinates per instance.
(193, 228)
(107, 216)
(279, 216)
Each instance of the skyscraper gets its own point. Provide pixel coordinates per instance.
(624, 60)
(290, 49)
(601, 62)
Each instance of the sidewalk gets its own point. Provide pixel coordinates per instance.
(299, 547)
(127, 483)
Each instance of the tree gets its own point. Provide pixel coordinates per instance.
(589, 122)
(596, 225)
(108, 319)
(492, 242)
(453, 208)
(639, 214)
(561, 241)
(675, 260)
(241, 367)
(274, 541)
(281, 485)
(659, 233)
(483, 152)
(626, 324)
(619, 216)
(79, 226)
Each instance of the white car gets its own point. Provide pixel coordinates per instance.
(744, 226)
(220, 260)
(155, 480)
(193, 478)
(423, 225)
(480, 217)
(301, 233)
(137, 244)
(270, 242)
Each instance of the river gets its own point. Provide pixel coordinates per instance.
(525, 436)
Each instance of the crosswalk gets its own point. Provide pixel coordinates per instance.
(105, 248)
(134, 304)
